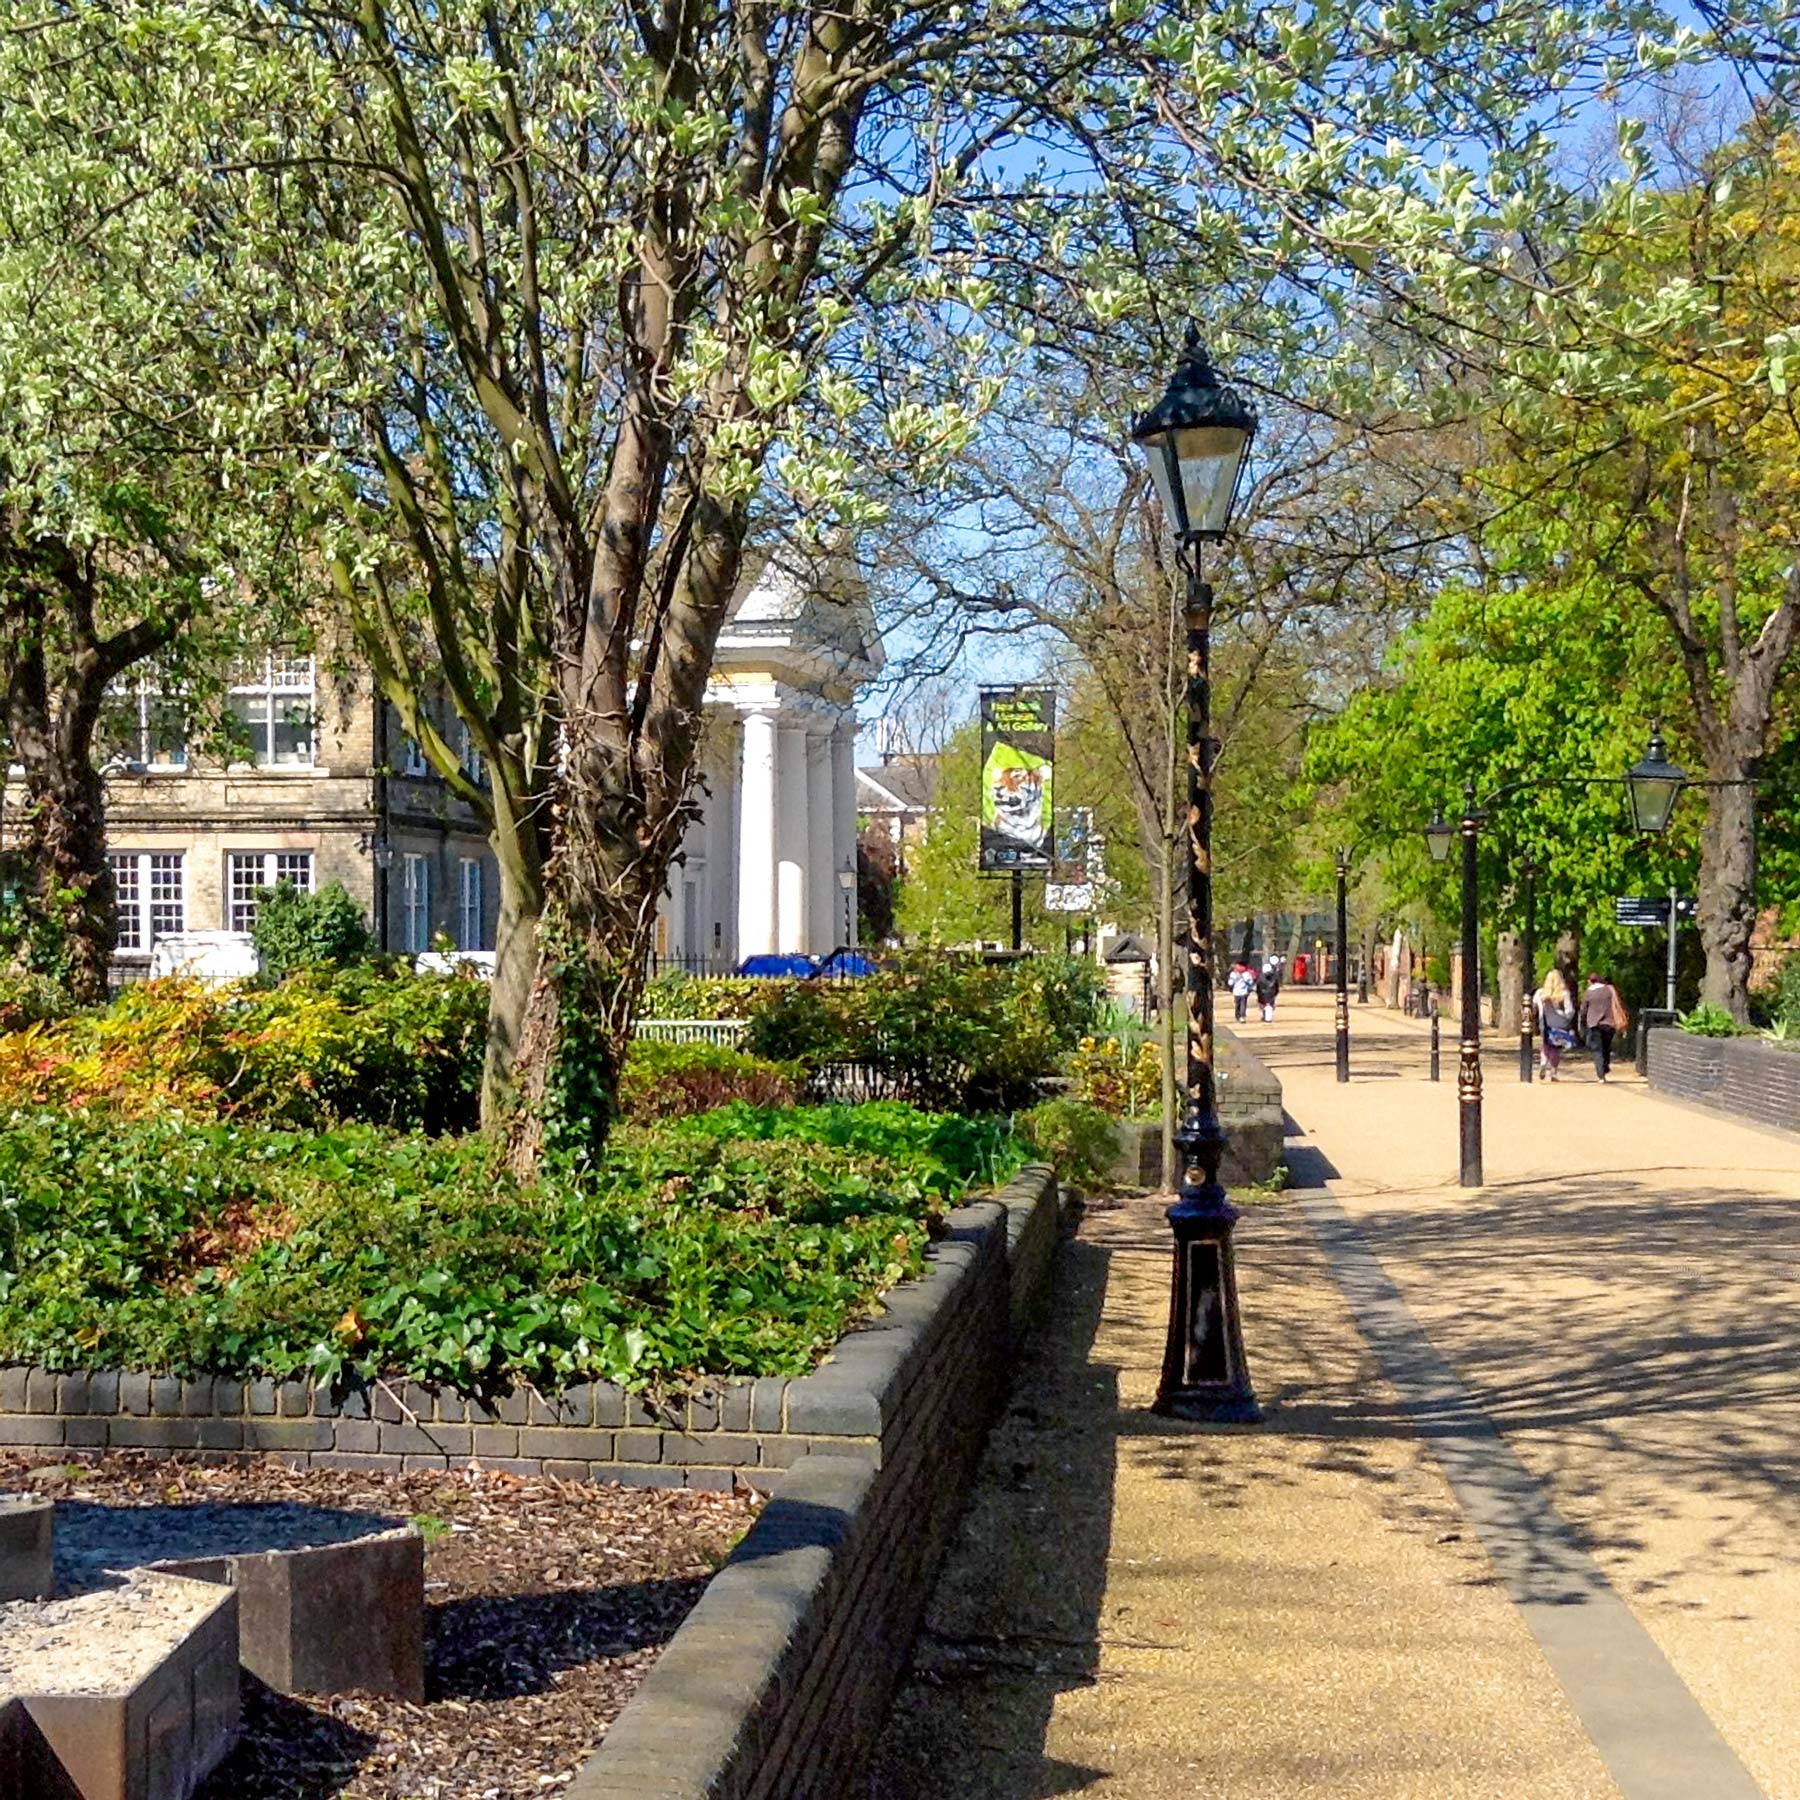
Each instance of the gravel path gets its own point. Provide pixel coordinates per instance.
(546, 1603)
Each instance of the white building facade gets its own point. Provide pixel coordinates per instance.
(763, 870)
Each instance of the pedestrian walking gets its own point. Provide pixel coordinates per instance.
(1556, 1023)
(1268, 988)
(1603, 1016)
(1243, 985)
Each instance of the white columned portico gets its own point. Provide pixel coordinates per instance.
(756, 933)
(843, 815)
(824, 910)
(790, 836)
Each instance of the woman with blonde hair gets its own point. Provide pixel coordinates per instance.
(1556, 1023)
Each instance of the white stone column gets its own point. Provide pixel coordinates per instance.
(790, 838)
(756, 837)
(843, 812)
(825, 911)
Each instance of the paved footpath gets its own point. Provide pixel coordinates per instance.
(1523, 1521)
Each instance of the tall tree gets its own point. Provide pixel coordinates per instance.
(135, 512)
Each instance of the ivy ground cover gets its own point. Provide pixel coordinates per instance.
(742, 1241)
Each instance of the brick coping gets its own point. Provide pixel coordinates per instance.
(722, 1433)
(777, 1683)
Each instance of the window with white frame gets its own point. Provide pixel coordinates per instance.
(249, 872)
(412, 756)
(143, 724)
(149, 895)
(415, 904)
(471, 916)
(271, 698)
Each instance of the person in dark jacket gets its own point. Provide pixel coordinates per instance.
(1268, 986)
(1602, 1016)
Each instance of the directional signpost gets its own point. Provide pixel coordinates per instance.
(1657, 909)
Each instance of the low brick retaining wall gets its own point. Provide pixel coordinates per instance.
(726, 1432)
(1745, 1076)
(1249, 1109)
(777, 1683)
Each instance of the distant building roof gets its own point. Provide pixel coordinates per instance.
(898, 787)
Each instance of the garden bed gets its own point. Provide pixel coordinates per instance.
(546, 1604)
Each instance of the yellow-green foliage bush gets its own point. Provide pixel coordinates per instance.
(319, 1049)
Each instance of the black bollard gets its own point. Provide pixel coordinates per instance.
(1434, 1044)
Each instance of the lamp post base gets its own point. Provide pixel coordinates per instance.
(1205, 1378)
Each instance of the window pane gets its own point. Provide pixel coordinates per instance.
(248, 872)
(247, 725)
(129, 901)
(294, 866)
(469, 934)
(168, 900)
(416, 899)
(293, 738)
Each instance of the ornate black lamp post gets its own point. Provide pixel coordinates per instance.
(1652, 787)
(1343, 968)
(1527, 1013)
(1196, 440)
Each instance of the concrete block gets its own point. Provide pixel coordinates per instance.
(583, 1444)
(153, 1434)
(423, 1465)
(513, 1408)
(360, 1437)
(712, 1447)
(609, 1404)
(287, 1434)
(638, 1475)
(25, 1429)
(333, 1617)
(768, 1403)
(734, 1406)
(40, 1391)
(165, 1397)
(83, 1434)
(220, 1434)
(833, 1405)
(426, 1439)
(703, 1410)
(26, 1556)
(360, 1461)
(260, 1399)
(12, 1389)
(29, 1768)
(72, 1392)
(639, 1446)
(293, 1399)
(158, 1733)
(712, 1481)
(492, 1441)
(103, 1391)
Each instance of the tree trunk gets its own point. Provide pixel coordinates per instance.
(1510, 956)
(1568, 958)
(515, 973)
(65, 847)
(1727, 897)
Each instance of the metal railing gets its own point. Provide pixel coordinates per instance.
(727, 1033)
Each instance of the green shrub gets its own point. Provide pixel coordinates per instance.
(669, 1081)
(1784, 993)
(740, 1246)
(1080, 1140)
(1710, 1021)
(296, 930)
(28, 999)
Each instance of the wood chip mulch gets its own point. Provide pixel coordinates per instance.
(546, 1604)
